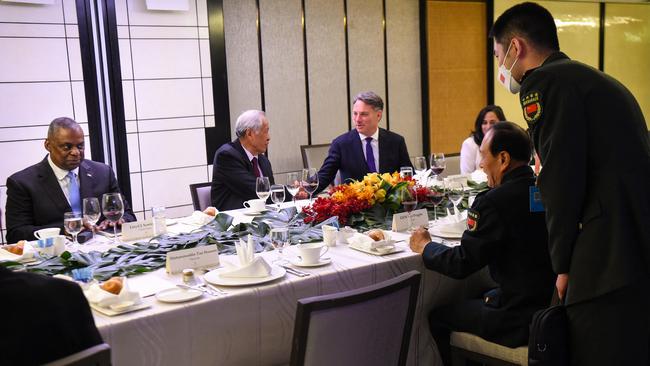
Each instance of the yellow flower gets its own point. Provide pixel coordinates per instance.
(380, 195)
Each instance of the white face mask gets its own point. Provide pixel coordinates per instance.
(505, 75)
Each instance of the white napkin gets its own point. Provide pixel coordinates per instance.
(245, 251)
(96, 295)
(365, 242)
(258, 267)
(197, 218)
(422, 177)
(28, 253)
(478, 176)
(454, 228)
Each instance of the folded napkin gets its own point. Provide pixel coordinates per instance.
(478, 176)
(28, 253)
(98, 296)
(258, 267)
(454, 228)
(365, 242)
(197, 218)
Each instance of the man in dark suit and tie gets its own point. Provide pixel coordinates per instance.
(237, 164)
(367, 148)
(38, 196)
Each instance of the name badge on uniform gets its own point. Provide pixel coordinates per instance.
(535, 200)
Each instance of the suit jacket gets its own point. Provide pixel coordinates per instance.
(512, 242)
(590, 134)
(35, 199)
(346, 155)
(233, 179)
(45, 319)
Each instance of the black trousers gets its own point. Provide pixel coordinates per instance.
(612, 329)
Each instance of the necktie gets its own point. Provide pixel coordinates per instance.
(256, 167)
(73, 193)
(370, 157)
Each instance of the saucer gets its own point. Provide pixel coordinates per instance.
(214, 277)
(112, 312)
(321, 262)
(254, 213)
(175, 294)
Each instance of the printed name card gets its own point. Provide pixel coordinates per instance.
(402, 221)
(199, 257)
(137, 230)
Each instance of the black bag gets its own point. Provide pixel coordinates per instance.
(548, 344)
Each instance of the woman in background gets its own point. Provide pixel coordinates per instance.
(469, 155)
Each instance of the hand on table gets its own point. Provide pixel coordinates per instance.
(105, 224)
(419, 239)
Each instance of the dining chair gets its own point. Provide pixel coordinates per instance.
(452, 165)
(99, 355)
(467, 346)
(201, 195)
(313, 156)
(367, 326)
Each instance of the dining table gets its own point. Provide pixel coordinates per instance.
(253, 324)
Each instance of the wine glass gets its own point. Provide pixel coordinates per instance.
(277, 194)
(293, 184)
(438, 164)
(310, 181)
(279, 239)
(113, 209)
(455, 191)
(406, 172)
(435, 197)
(91, 210)
(409, 200)
(263, 188)
(73, 225)
(420, 164)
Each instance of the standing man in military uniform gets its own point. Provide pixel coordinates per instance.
(591, 136)
(506, 231)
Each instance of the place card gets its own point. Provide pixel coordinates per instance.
(403, 221)
(199, 257)
(137, 230)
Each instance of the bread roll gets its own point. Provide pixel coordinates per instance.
(114, 285)
(212, 211)
(376, 234)
(16, 248)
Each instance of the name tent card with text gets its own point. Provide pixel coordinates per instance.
(137, 230)
(403, 221)
(199, 257)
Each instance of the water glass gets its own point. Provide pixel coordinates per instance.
(113, 210)
(406, 172)
(293, 184)
(309, 181)
(420, 164)
(159, 218)
(438, 164)
(263, 188)
(277, 194)
(91, 210)
(279, 239)
(73, 224)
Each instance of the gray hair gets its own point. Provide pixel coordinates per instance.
(372, 99)
(249, 120)
(59, 123)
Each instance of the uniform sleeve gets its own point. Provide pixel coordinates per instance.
(478, 247)
(468, 157)
(560, 136)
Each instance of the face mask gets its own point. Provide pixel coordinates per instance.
(505, 75)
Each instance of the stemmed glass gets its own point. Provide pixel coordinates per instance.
(406, 171)
(293, 184)
(277, 194)
(309, 181)
(420, 164)
(91, 210)
(113, 209)
(263, 188)
(435, 197)
(409, 200)
(455, 192)
(279, 239)
(438, 164)
(73, 225)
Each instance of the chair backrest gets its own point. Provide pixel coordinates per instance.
(314, 155)
(201, 195)
(99, 355)
(368, 326)
(452, 162)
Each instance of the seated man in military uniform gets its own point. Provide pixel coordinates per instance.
(506, 231)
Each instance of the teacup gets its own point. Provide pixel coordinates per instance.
(47, 233)
(257, 205)
(311, 253)
(345, 234)
(329, 235)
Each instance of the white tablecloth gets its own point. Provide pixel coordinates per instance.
(254, 325)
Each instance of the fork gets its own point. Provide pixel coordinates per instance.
(295, 271)
(204, 284)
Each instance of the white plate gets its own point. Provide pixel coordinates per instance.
(177, 294)
(111, 312)
(254, 213)
(321, 262)
(170, 222)
(445, 234)
(375, 252)
(214, 277)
